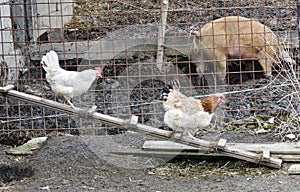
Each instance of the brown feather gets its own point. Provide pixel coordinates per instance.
(189, 105)
(210, 104)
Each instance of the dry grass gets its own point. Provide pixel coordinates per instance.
(287, 84)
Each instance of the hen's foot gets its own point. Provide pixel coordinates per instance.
(188, 134)
(87, 113)
(176, 135)
(182, 135)
(71, 104)
(92, 110)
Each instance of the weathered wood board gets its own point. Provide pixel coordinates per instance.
(171, 155)
(274, 148)
(287, 152)
(294, 169)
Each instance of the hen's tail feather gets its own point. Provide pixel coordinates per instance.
(175, 84)
(50, 60)
(165, 90)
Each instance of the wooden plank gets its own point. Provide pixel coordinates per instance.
(6, 88)
(169, 155)
(266, 155)
(288, 158)
(227, 150)
(274, 148)
(222, 143)
(194, 155)
(251, 157)
(224, 150)
(167, 146)
(294, 169)
(198, 143)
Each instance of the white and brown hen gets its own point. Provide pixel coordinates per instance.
(183, 113)
(68, 84)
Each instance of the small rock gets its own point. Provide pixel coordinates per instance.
(45, 188)
(271, 120)
(290, 136)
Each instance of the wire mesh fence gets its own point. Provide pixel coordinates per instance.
(122, 37)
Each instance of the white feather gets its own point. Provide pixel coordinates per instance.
(66, 83)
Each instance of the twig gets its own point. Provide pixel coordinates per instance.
(223, 166)
(295, 92)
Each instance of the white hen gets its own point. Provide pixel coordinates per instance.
(68, 84)
(184, 114)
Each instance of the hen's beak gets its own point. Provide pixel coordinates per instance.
(98, 76)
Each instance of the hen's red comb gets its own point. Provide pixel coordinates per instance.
(99, 69)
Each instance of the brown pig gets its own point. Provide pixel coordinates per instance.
(240, 38)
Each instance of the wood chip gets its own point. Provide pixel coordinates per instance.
(294, 169)
(266, 154)
(29, 147)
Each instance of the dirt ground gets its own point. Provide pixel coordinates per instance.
(69, 163)
(83, 162)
